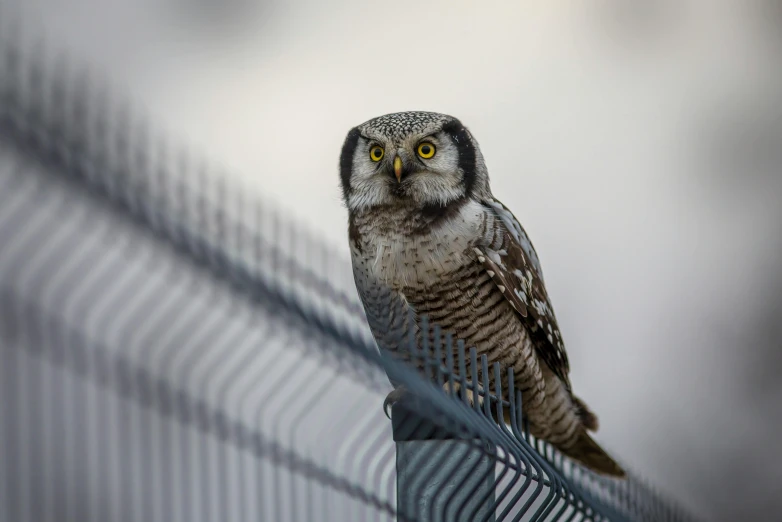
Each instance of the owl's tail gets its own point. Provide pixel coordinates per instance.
(586, 451)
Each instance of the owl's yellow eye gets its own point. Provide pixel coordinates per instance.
(376, 153)
(426, 150)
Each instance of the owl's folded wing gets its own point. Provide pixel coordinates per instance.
(516, 272)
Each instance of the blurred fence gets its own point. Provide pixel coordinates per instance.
(175, 349)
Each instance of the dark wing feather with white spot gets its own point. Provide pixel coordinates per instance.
(515, 269)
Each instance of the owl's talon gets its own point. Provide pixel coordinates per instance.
(456, 389)
(392, 398)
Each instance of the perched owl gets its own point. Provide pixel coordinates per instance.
(427, 235)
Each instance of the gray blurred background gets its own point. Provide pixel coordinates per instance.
(639, 142)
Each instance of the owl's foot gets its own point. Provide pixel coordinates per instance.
(398, 393)
(392, 398)
(468, 392)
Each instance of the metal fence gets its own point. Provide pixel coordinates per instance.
(175, 349)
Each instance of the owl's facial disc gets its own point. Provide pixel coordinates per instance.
(418, 159)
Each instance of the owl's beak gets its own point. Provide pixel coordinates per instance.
(398, 169)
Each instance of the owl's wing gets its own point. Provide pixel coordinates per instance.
(515, 269)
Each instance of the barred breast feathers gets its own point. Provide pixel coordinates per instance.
(405, 248)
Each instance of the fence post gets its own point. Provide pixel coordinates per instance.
(433, 466)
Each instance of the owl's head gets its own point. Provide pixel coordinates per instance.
(421, 158)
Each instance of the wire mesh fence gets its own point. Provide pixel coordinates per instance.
(175, 349)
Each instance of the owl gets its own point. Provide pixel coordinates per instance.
(428, 238)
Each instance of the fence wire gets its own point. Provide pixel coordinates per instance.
(175, 349)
